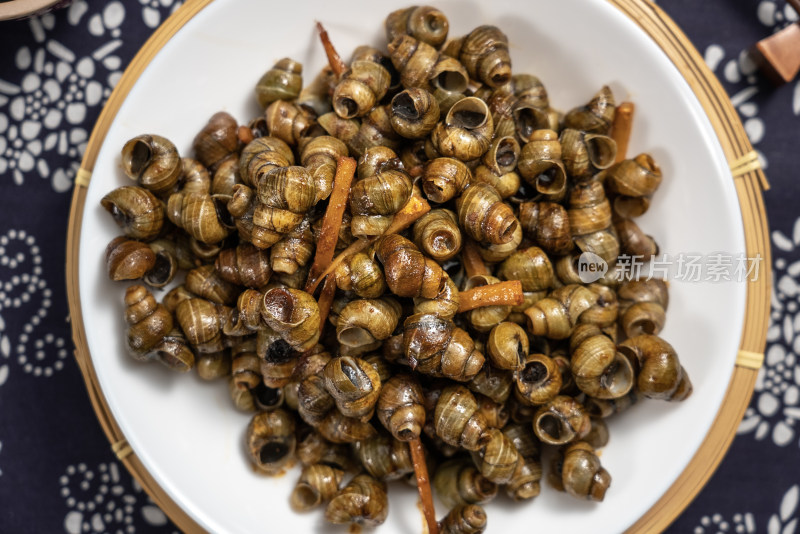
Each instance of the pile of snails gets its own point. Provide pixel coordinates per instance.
(466, 178)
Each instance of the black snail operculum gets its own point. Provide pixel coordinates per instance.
(466, 131)
(660, 374)
(598, 369)
(595, 117)
(127, 259)
(148, 321)
(278, 361)
(282, 82)
(414, 113)
(464, 519)
(318, 483)
(484, 216)
(294, 314)
(354, 385)
(562, 420)
(363, 501)
(360, 88)
(541, 165)
(400, 407)
(136, 211)
(547, 225)
(365, 321)
(152, 161)
(425, 23)
(458, 482)
(458, 421)
(437, 347)
(271, 440)
(582, 476)
(484, 53)
(217, 141)
(444, 179)
(320, 156)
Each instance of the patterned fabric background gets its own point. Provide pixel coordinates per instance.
(57, 472)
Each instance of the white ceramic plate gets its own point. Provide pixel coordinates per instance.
(186, 432)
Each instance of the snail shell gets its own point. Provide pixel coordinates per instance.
(496, 253)
(492, 382)
(319, 156)
(484, 53)
(458, 482)
(484, 216)
(217, 140)
(464, 519)
(582, 476)
(637, 177)
(598, 369)
(288, 121)
(152, 161)
(633, 241)
(278, 360)
(318, 483)
(458, 421)
(294, 250)
(339, 428)
(562, 420)
(498, 459)
(408, 272)
(203, 216)
(127, 259)
(400, 407)
(606, 407)
(362, 275)
(244, 265)
(166, 263)
(363, 501)
(660, 374)
(498, 164)
(136, 211)
(507, 346)
(315, 403)
(595, 117)
(485, 318)
(202, 322)
(466, 131)
(421, 65)
(424, 23)
(556, 315)
(271, 440)
(437, 234)
(585, 153)
(541, 165)
(294, 314)
(384, 457)
(643, 306)
(365, 321)
(354, 384)
(174, 352)
(206, 282)
(361, 87)
(262, 155)
(435, 346)
(445, 178)
(381, 190)
(445, 304)
(547, 225)
(539, 381)
(282, 82)
(195, 177)
(148, 321)
(531, 267)
(414, 113)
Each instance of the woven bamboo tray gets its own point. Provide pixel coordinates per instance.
(749, 181)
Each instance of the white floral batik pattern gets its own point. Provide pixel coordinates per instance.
(784, 521)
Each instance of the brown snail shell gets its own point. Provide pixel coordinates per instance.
(202, 216)
(282, 82)
(498, 459)
(195, 177)
(598, 436)
(294, 314)
(642, 306)
(363, 501)
(362, 275)
(384, 457)
(262, 155)
(437, 234)
(166, 263)
(584, 154)
(494, 383)
(464, 519)
(582, 476)
(633, 179)
(484, 53)
(496, 253)
(365, 321)
(174, 352)
(148, 321)
(217, 140)
(213, 365)
(206, 282)
(547, 225)
(288, 121)
(354, 385)
(244, 265)
(595, 117)
(278, 361)
(660, 374)
(485, 318)
(598, 369)
(414, 113)
(400, 407)
(245, 364)
(271, 440)
(445, 178)
(360, 87)
(633, 241)
(319, 156)
(562, 420)
(152, 161)
(408, 273)
(458, 421)
(338, 428)
(315, 96)
(556, 315)
(531, 267)
(603, 408)
(315, 403)
(380, 191)
(435, 346)
(127, 259)
(458, 482)
(507, 346)
(318, 483)
(294, 250)
(466, 131)
(202, 322)
(424, 23)
(421, 65)
(484, 216)
(444, 304)
(605, 311)
(541, 165)
(539, 381)
(136, 211)
(175, 296)
(498, 164)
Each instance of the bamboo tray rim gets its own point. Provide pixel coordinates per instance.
(749, 179)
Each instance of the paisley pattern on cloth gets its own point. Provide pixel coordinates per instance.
(56, 72)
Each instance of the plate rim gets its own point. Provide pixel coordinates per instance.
(749, 181)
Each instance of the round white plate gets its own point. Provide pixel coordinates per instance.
(186, 432)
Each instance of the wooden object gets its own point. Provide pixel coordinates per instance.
(778, 56)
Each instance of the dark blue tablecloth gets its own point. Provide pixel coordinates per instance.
(57, 471)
